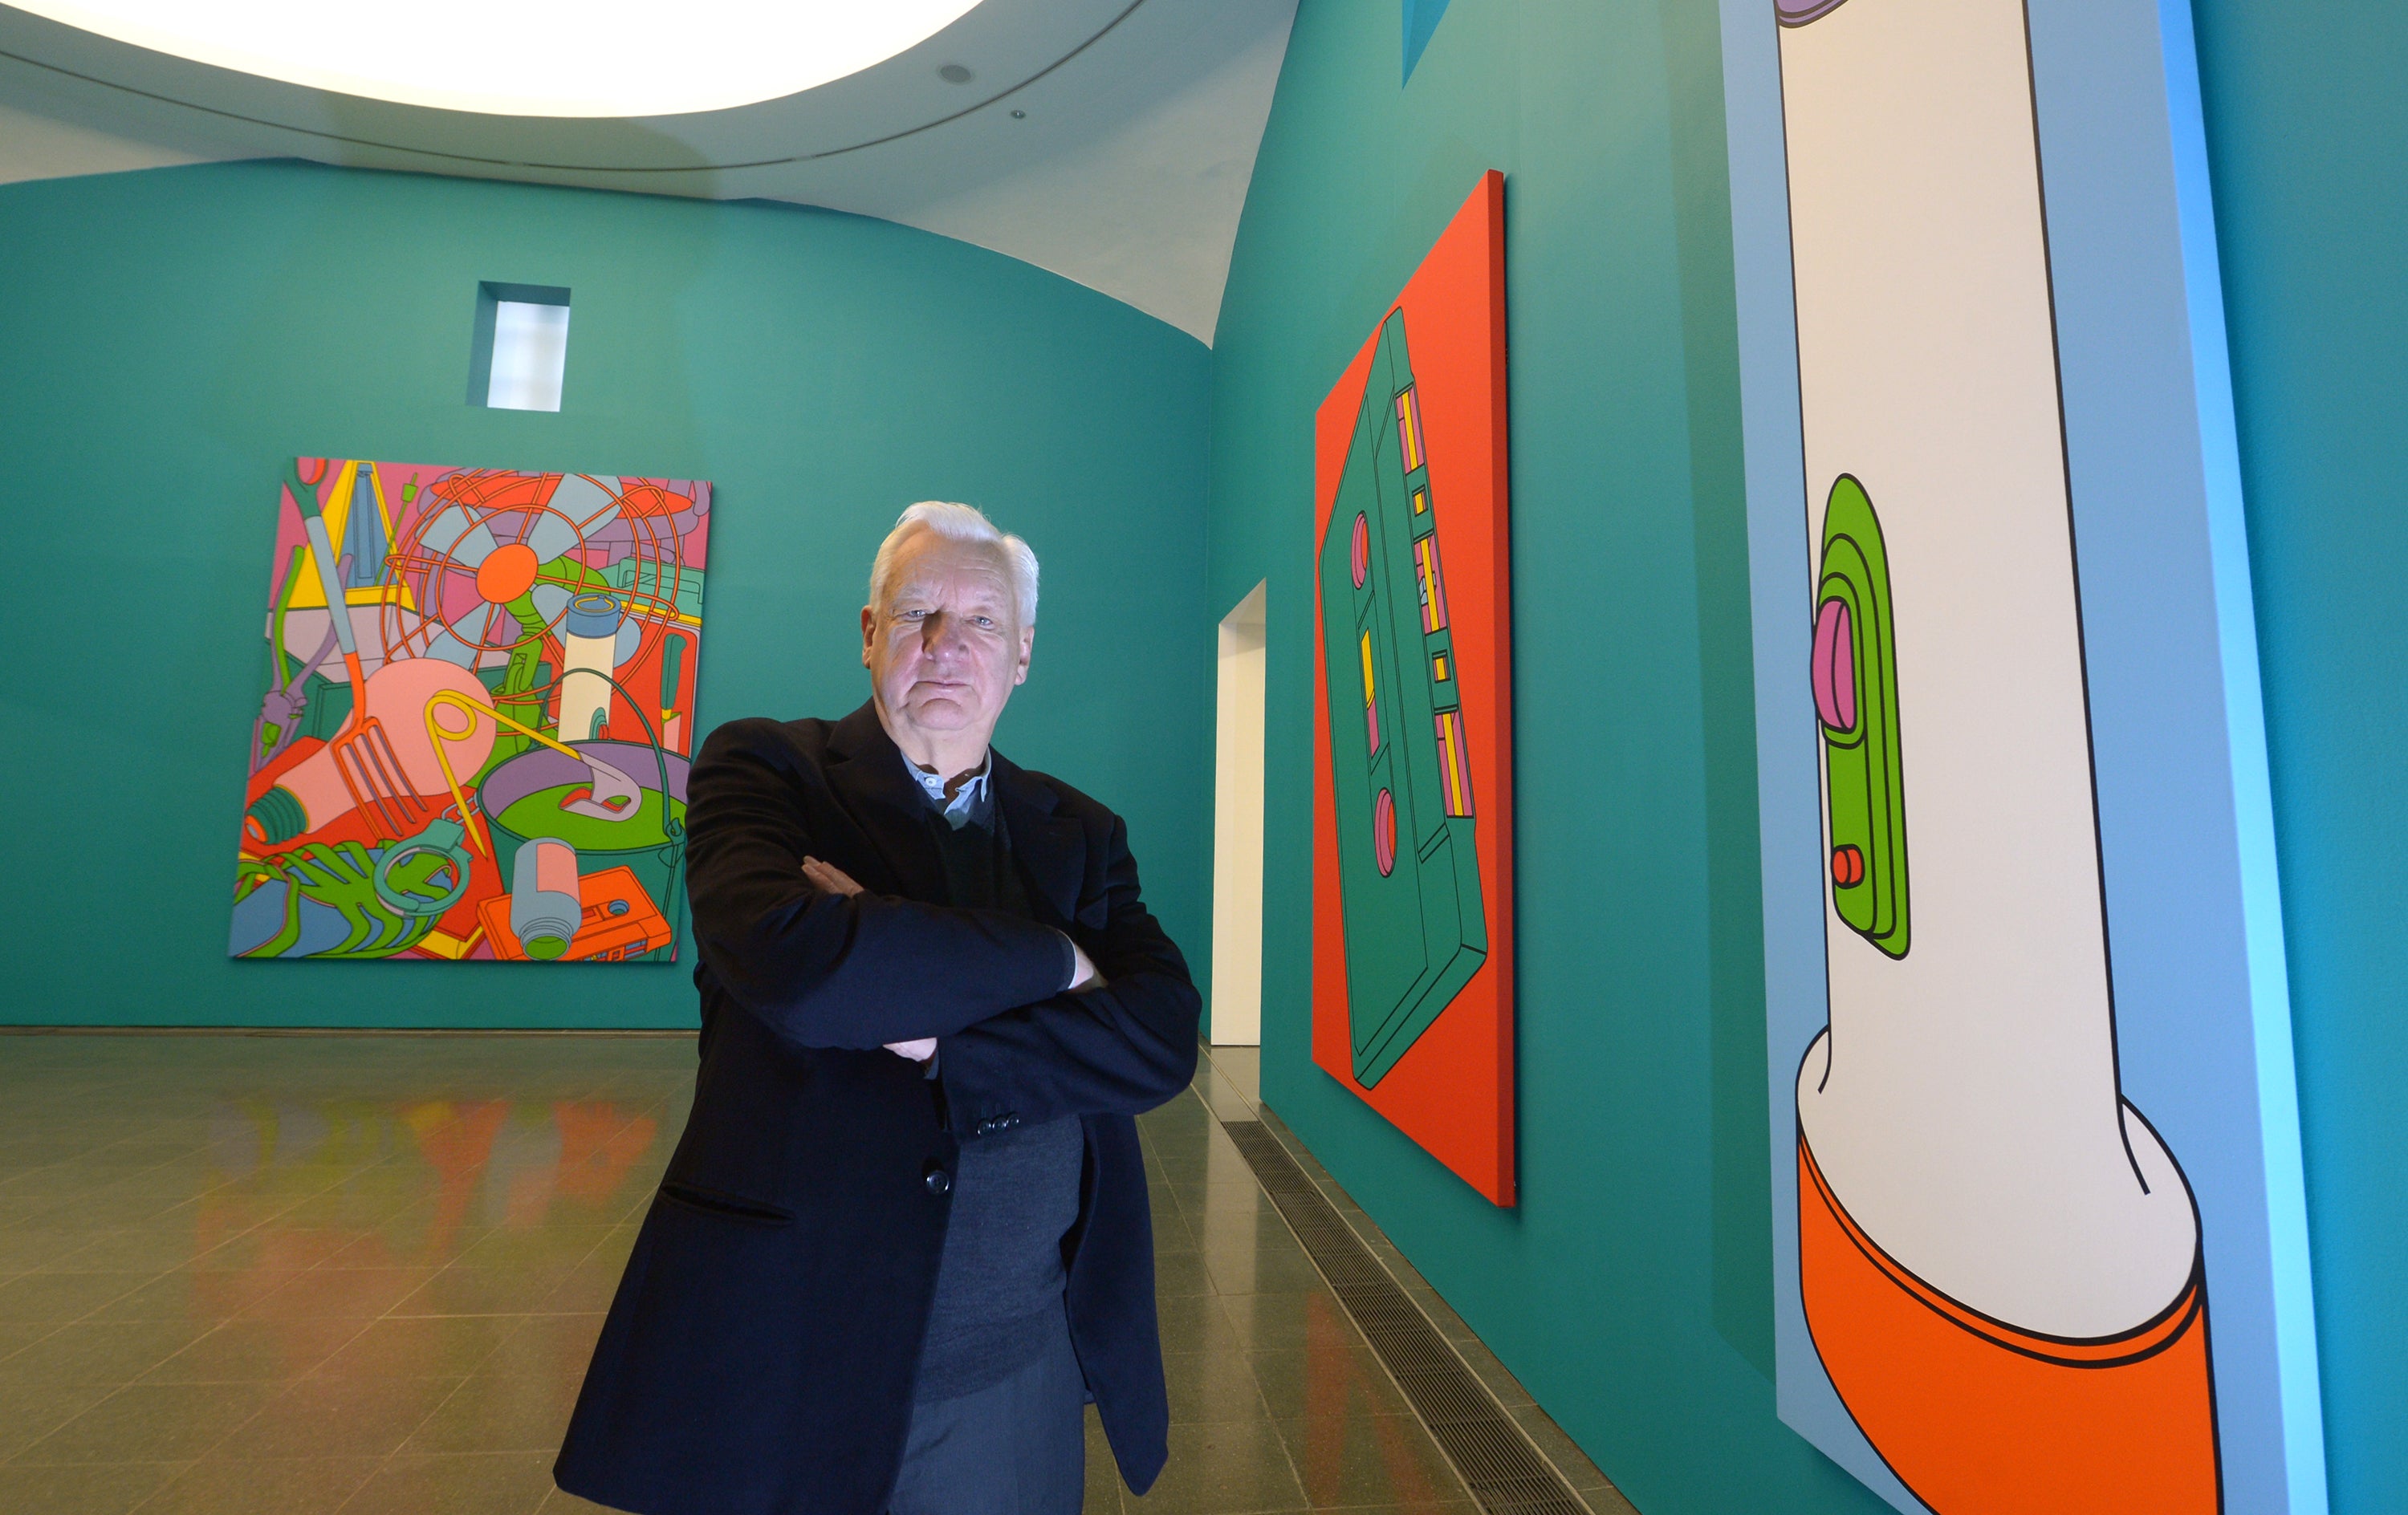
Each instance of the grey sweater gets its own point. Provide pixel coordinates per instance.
(1015, 1191)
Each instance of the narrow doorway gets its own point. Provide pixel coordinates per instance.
(1237, 1017)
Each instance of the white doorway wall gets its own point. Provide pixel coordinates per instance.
(1237, 1018)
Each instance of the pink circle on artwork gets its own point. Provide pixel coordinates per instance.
(1835, 666)
(1384, 833)
(1362, 555)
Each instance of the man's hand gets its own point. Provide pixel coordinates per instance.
(1084, 976)
(828, 877)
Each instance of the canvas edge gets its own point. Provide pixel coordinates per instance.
(1505, 1188)
(2253, 803)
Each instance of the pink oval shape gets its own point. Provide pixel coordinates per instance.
(1835, 666)
(1362, 551)
(1384, 833)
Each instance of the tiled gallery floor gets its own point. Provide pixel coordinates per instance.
(307, 1274)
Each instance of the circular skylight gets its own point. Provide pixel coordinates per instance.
(528, 57)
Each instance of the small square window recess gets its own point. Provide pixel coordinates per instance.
(521, 347)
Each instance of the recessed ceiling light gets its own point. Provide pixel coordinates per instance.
(528, 57)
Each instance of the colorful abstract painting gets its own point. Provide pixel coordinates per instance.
(1412, 806)
(2038, 1226)
(477, 692)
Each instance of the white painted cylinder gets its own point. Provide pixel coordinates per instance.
(1967, 1116)
(589, 637)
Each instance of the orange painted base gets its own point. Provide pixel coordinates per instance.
(1978, 1418)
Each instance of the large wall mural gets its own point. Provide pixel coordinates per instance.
(2039, 1238)
(476, 710)
(1413, 816)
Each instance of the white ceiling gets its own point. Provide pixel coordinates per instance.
(1108, 141)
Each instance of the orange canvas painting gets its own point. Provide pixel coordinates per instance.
(1412, 881)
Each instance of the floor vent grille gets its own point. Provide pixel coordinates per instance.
(1503, 1470)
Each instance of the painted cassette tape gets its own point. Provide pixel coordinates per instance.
(1409, 874)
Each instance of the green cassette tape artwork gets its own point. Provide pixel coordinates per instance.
(1409, 874)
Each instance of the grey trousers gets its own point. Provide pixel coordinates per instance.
(1019, 1447)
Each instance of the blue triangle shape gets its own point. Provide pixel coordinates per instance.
(1421, 19)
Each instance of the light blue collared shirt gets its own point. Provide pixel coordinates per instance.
(973, 802)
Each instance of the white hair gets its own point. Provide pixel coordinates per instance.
(962, 523)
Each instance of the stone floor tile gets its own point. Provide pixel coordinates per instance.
(460, 1290)
(1182, 1273)
(1346, 1460)
(256, 1352)
(498, 1411)
(1210, 1386)
(16, 1336)
(339, 1418)
(461, 1483)
(587, 1288)
(26, 1247)
(421, 1347)
(152, 1422)
(189, 1293)
(1223, 1467)
(1194, 1324)
(30, 1411)
(362, 1293)
(1268, 1322)
(1267, 1266)
(63, 1296)
(1330, 1376)
(83, 1487)
(100, 1353)
(286, 1486)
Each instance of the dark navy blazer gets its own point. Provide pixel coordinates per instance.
(759, 1355)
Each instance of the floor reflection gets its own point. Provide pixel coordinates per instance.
(406, 1181)
(312, 1273)
(364, 1275)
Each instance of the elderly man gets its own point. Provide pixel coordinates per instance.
(905, 1237)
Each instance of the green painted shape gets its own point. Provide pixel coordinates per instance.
(1416, 934)
(328, 703)
(280, 671)
(1864, 788)
(683, 586)
(540, 814)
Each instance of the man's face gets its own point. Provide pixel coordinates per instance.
(946, 648)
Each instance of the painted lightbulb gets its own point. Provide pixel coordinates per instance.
(402, 764)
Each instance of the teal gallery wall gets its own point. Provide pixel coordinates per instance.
(2306, 120)
(1631, 1291)
(173, 337)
